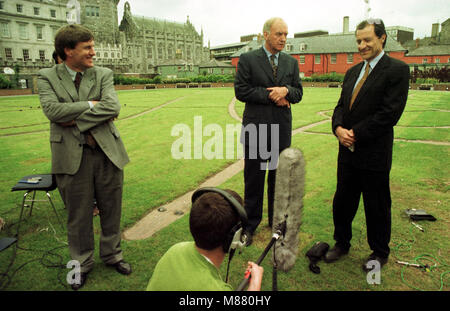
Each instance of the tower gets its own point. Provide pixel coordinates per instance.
(100, 16)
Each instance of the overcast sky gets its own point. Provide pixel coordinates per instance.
(225, 22)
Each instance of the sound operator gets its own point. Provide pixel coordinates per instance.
(194, 266)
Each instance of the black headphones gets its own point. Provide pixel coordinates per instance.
(235, 238)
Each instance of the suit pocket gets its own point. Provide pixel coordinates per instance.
(114, 130)
(55, 137)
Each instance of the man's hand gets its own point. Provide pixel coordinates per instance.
(283, 103)
(346, 137)
(256, 273)
(277, 93)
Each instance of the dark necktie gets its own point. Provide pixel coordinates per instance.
(274, 67)
(77, 80)
(359, 85)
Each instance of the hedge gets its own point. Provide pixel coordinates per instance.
(119, 79)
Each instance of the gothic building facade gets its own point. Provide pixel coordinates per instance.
(138, 45)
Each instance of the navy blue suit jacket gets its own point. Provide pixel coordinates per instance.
(376, 110)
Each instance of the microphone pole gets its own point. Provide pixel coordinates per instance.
(281, 231)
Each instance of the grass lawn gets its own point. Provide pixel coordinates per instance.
(419, 179)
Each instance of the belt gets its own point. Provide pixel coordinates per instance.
(89, 140)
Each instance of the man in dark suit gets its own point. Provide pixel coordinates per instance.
(373, 98)
(88, 155)
(268, 81)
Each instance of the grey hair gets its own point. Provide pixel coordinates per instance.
(268, 24)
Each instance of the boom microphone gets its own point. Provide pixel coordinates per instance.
(288, 204)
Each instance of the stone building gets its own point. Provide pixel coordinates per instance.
(139, 45)
(150, 42)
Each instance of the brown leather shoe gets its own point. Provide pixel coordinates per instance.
(334, 254)
(369, 266)
(122, 267)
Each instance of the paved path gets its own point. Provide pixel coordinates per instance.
(156, 219)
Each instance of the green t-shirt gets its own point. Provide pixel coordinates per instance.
(183, 268)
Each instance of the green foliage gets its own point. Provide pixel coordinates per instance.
(329, 77)
(427, 81)
(4, 82)
(119, 79)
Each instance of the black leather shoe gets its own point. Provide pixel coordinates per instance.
(83, 277)
(122, 267)
(249, 238)
(369, 266)
(334, 254)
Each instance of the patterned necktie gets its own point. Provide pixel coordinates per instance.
(77, 80)
(274, 67)
(359, 85)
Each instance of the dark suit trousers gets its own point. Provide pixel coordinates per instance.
(374, 186)
(254, 179)
(97, 177)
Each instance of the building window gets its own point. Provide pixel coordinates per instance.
(302, 59)
(149, 52)
(93, 11)
(112, 55)
(316, 59)
(23, 33)
(5, 30)
(39, 33)
(288, 47)
(53, 13)
(26, 54)
(437, 60)
(349, 58)
(8, 53)
(36, 11)
(42, 55)
(19, 8)
(333, 58)
(302, 46)
(425, 61)
(105, 55)
(1, 5)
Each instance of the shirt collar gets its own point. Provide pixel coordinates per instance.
(71, 72)
(375, 61)
(270, 54)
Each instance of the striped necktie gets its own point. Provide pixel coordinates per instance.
(77, 80)
(274, 67)
(359, 85)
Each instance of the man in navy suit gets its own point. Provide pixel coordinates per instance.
(373, 98)
(268, 81)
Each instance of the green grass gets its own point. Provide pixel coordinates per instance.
(419, 179)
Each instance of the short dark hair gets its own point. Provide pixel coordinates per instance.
(55, 57)
(212, 218)
(378, 27)
(69, 36)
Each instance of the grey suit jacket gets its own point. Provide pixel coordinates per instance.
(62, 103)
(254, 75)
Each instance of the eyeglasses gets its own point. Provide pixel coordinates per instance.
(372, 21)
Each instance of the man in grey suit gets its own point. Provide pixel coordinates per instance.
(268, 81)
(88, 155)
